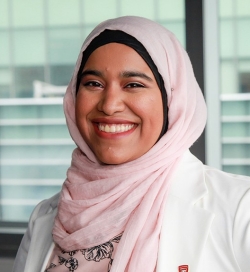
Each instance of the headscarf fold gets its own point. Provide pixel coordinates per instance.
(100, 201)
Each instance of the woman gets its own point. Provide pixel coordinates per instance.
(135, 199)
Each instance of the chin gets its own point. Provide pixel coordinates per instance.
(113, 160)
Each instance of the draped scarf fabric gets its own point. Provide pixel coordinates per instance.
(100, 201)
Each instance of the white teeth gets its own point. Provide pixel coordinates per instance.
(115, 128)
(106, 128)
(112, 128)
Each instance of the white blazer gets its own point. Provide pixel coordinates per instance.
(206, 224)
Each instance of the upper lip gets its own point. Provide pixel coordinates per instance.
(111, 121)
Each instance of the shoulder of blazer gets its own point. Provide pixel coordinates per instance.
(188, 181)
(46, 206)
(230, 198)
(225, 190)
(227, 180)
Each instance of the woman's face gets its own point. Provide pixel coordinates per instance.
(119, 110)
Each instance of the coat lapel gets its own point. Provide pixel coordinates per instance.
(41, 242)
(186, 224)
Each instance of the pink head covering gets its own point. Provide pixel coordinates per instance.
(100, 201)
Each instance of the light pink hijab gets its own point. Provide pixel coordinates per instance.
(100, 201)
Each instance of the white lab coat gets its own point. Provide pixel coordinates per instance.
(206, 224)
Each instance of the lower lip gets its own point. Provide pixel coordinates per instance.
(108, 135)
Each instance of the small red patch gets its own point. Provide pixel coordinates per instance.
(183, 268)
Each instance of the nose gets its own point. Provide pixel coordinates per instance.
(111, 101)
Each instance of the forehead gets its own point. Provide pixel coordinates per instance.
(115, 56)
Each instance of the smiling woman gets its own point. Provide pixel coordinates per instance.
(135, 198)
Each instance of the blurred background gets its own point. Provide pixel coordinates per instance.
(40, 41)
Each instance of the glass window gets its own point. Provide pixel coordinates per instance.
(235, 85)
(63, 12)
(5, 82)
(5, 76)
(226, 8)
(244, 76)
(5, 48)
(236, 150)
(64, 45)
(242, 8)
(146, 8)
(61, 74)
(35, 153)
(24, 77)
(27, 13)
(29, 47)
(5, 72)
(4, 14)
(227, 42)
(96, 11)
(228, 77)
(171, 10)
(243, 39)
(231, 108)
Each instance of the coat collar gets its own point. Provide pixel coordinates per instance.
(188, 182)
(41, 242)
(186, 224)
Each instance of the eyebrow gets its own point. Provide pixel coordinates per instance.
(91, 72)
(128, 74)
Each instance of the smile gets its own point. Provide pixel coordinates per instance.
(115, 128)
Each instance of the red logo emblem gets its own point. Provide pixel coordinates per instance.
(183, 268)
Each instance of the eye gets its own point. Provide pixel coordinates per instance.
(94, 84)
(134, 85)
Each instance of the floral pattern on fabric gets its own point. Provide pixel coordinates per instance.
(70, 261)
(71, 253)
(98, 253)
(50, 266)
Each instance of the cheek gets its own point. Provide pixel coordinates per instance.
(151, 112)
(85, 104)
(79, 112)
(82, 109)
